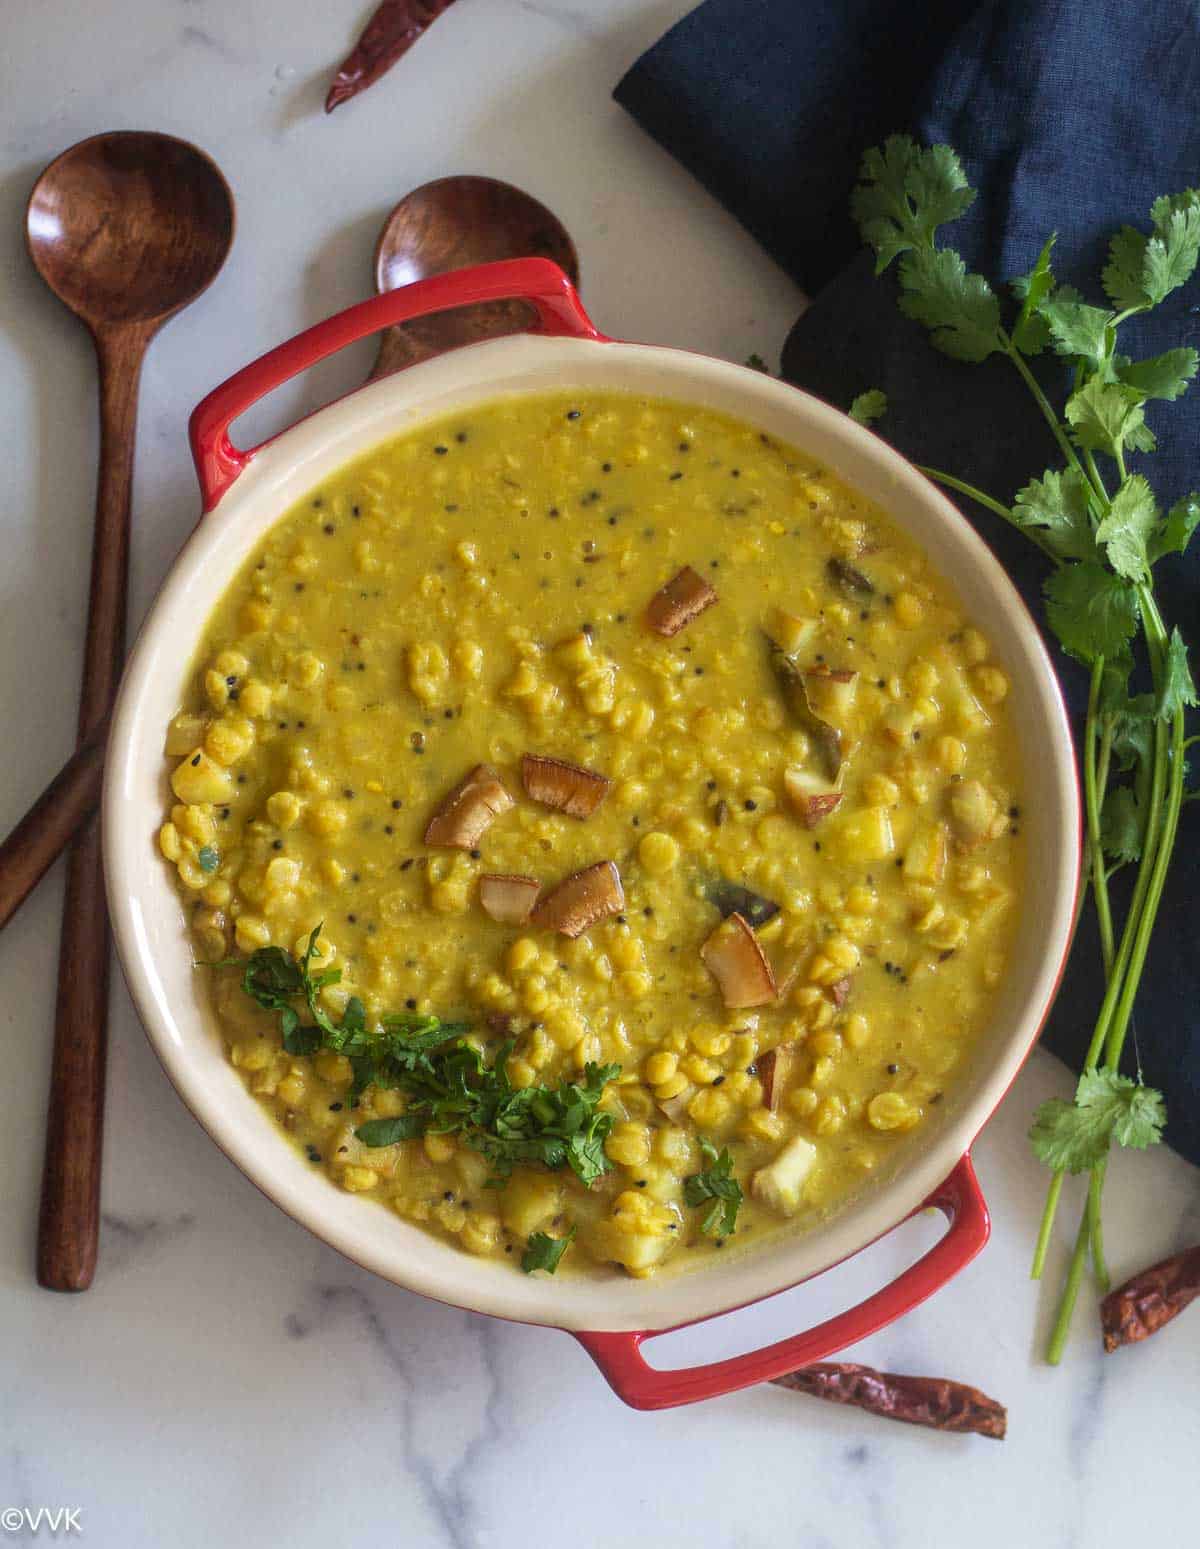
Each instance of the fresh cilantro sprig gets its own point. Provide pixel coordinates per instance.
(715, 1183)
(1075, 1137)
(451, 1086)
(1102, 530)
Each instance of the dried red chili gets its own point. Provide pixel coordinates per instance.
(932, 1401)
(1144, 1304)
(393, 29)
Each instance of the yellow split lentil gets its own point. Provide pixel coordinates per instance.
(476, 590)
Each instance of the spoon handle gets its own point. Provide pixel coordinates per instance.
(69, 1222)
(41, 835)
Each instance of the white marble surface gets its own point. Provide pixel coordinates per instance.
(228, 1379)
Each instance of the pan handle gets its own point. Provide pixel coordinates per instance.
(641, 1386)
(535, 280)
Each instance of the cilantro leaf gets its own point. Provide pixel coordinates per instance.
(1121, 824)
(1074, 1137)
(208, 858)
(1078, 329)
(1172, 251)
(1125, 531)
(1176, 531)
(386, 1132)
(757, 363)
(1056, 505)
(904, 193)
(1105, 416)
(960, 309)
(1091, 611)
(1030, 333)
(1133, 732)
(868, 406)
(718, 1184)
(1177, 688)
(272, 977)
(302, 1040)
(1143, 269)
(1136, 1112)
(1164, 376)
(1122, 277)
(544, 1252)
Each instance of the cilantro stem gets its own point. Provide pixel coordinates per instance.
(1095, 1222)
(1161, 827)
(1049, 1211)
(1093, 796)
(1066, 1305)
(1100, 599)
(972, 492)
(1113, 1022)
(1043, 403)
(1096, 481)
(1095, 778)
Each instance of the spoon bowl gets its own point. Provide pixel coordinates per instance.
(129, 227)
(455, 223)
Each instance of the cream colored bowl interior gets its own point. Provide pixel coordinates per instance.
(149, 925)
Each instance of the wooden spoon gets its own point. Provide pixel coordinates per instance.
(449, 224)
(125, 229)
(455, 223)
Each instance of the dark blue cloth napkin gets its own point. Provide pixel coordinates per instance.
(1071, 116)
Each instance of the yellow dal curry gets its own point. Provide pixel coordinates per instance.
(764, 706)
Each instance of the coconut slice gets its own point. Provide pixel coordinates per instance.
(736, 961)
(831, 692)
(780, 1185)
(568, 787)
(580, 900)
(775, 1069)
(469, 810)
(811, 797)
(508, 899)
(676, 1108)
(683, 598)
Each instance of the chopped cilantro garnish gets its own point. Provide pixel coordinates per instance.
(451, 1087)
(718, 1184)
(544, 1252)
